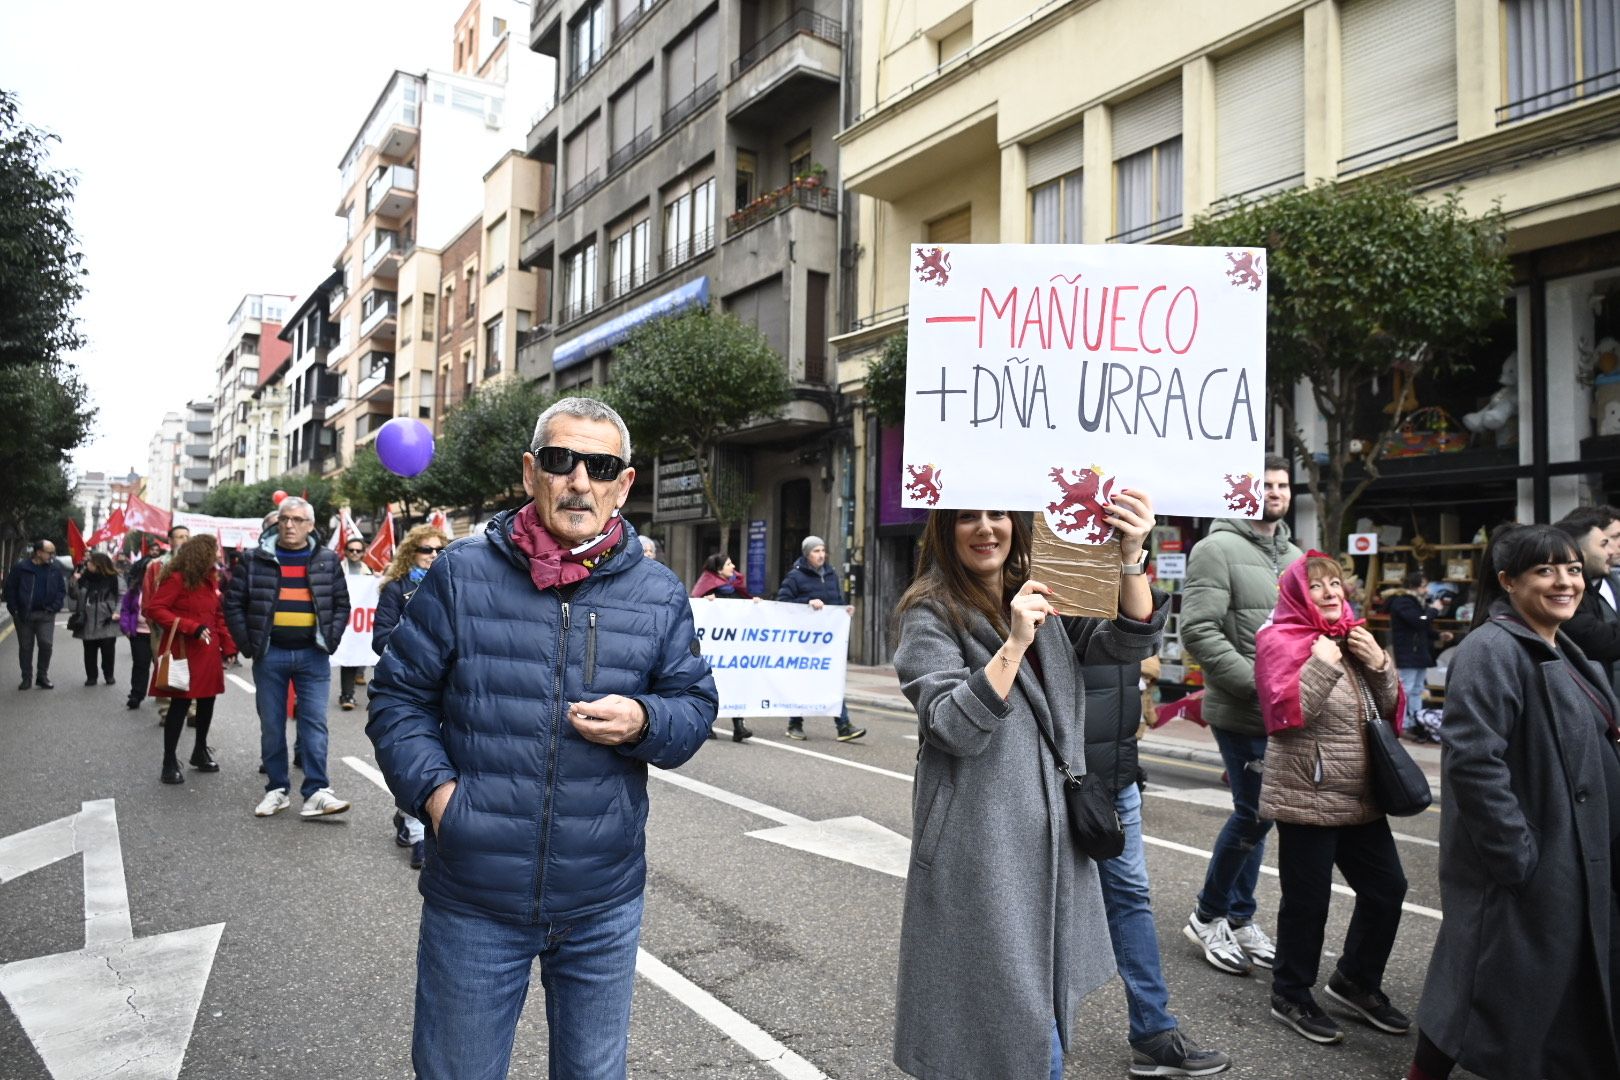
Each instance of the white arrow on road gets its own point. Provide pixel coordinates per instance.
(119, 1007)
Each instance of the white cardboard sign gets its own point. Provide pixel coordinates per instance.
(1047, 376)
(772, 659)
(355, 648)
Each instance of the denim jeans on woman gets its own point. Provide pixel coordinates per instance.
(1130, 924)
(472, 977)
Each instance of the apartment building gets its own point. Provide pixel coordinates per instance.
(311, 388)
(694, 150)
(411, 177)
(235, 456)
(1115, 122)
(165, 460)
(267, 416)
(196, 471)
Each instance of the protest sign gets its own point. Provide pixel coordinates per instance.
(232, 533)
(355, 648)
(773, 659)
(1046, 376)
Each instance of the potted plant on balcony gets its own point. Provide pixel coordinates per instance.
(813, 177)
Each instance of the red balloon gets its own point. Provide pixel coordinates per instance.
(277, 496)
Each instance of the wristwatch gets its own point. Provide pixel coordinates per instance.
(1135, 569)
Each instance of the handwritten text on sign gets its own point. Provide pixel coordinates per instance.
(355, 648)
(773, 659)
(1035, 368)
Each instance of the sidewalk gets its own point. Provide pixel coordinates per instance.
(879, 688)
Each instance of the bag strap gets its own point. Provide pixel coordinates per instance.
(1062, 765)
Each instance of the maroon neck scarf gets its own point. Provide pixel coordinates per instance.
(550, 563)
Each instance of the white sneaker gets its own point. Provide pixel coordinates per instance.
(274, 802)
(321, 803)
(1256, 945)
(1220, 948)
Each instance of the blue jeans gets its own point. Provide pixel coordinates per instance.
(472, 976)
(310, 673)
(1234, 866)
(1057, 1054)
(1415, 680)
(1130, 924)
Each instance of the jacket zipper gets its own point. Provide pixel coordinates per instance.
(590, 652)
(551, 760)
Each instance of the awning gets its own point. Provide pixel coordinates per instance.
(602, 338)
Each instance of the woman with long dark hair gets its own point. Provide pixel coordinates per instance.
(1004, 929)
(186, 610)
(94, 591)
(1521, 983)
(720, 579)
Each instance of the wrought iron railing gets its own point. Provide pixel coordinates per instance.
(800, 22)
(627, 153)
(798, 193)
(692, 102)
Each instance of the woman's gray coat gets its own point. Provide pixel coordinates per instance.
(1524, 864)
(1004, 929)
(98, 605)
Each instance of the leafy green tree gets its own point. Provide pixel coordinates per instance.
(886, 382)
(39, 253)
(686, 382)
(478, 461)
(47, 414)
(1360, 279)
(257, 499)
(367, 485)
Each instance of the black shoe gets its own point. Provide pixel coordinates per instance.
(132, 704)
(418, 855)
(402, 836)
(1170, 1053)
(44, 684)
(1370, 1005)
(28, 680)
(203, 760)
(347, 704)
(172, 773)
(1307, 1018)
(110, 681)
(91, 681)
(850, 733)
(740, 732)
(262, 770)
(795, 730)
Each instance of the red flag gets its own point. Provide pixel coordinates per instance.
(111, 532)
(146, 517)
(381, 551)
(439, 520)
(75, 542)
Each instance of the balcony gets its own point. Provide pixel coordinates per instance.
(692, 102)
(542, 141)
(800, 57)
(377, 373)
(490, 277)
(335, 301)
(682, 252)
(579, 308)
(392, 193)
(198, 450)
(194, 499)
(544, 34)
(383, 259)
(399, 139)
(382, 319)
(628, 282)
(196, 472)
(800, 194)
(537, 239)
(586, 65)
(534, 351)
(200, 427)
(577, 193)
(627, 153)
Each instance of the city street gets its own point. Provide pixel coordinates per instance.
(772, 919)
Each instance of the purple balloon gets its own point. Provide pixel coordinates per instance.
(405, 446)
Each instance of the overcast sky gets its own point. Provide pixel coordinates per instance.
(206, 138)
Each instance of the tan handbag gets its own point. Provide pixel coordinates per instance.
(173, 669)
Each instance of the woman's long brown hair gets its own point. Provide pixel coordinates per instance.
(405, 555)
(945, 584)
(194, 562)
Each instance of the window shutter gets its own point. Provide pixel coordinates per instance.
(574, 167)
(1399, 62)
(678, 71)
(1053, 156)
(954, 228)
(623, 109)
(1260, 115)
(646, 102)
(1147, 119)
(707, 37)
(595, 145)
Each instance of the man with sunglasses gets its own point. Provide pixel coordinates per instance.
(354, 565)
(539, 669)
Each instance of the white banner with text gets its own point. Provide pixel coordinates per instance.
(355, 648)
(773, 659)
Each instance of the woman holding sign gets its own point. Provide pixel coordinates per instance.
(1001, 906)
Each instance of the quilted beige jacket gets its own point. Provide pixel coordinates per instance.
(1317, 775)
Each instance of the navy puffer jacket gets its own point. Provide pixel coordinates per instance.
(250, 597)
(802, 585)
(391, 601)
(475, 687)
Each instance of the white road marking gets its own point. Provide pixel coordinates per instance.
(848, 839)
(369, 771)
(239, 681)
(747, 1034)
(730, 798)
(774, 745)
(120, 1004)
(1221, 799)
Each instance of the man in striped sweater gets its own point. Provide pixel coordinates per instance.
(286, 607)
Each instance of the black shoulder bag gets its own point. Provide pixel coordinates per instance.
(1093, 818)
(1399, 787)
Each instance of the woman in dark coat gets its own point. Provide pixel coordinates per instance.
(134, 626)
(186, 610)
(94, 592)
(1004, 930)
(1520, 986)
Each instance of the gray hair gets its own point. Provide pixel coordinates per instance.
(293, 502)
(582, 408)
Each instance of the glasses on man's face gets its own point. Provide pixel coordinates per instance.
(560, 461)
(295, 521)
(434, 551)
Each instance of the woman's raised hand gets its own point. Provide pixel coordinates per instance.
(1365, 647)
(1326, 650)
(1029, 609)
(1131, 513)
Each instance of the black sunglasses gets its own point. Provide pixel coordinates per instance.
(424, 550)
(355, 549)
(560, 461)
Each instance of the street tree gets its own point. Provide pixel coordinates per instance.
(256, 500)
(886, 382)
(1363, 280)
(47, 414)
(479, 457)
(368, 486)
(685, 382)
(40, 262)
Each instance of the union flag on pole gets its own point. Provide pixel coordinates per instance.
(381, 551)
(441, 521)
(144, 517)
(75, 542)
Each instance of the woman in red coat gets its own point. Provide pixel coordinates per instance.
(187, 603)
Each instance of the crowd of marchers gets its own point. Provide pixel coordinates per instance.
(531, 674)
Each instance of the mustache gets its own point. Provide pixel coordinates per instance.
(575, 502)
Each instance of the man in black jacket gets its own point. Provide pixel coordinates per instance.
(35, 592)
(286, 607)
(1595, 626)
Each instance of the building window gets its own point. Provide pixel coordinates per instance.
(747, 178)
(628, 256)
(955, 43)
(1147, 164)
(1052, 171)
(579, 282)
(688, 221)
(494, 346)
(587, 37)
(691, 70)
(798, 157)
(495, 241)
(1544, 66)
(1260, 116)
(954, 228)
(472, 292)
(430, 317)
(633, 116)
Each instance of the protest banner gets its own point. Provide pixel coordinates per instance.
(355, 648)
(232, 533)
(773, 659)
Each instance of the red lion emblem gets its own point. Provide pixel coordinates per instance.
(1083, 501)
(1245, 270)
(935, 266)
(924, 485)
(1241, 495)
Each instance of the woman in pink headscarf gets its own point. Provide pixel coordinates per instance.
(1320, 675)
